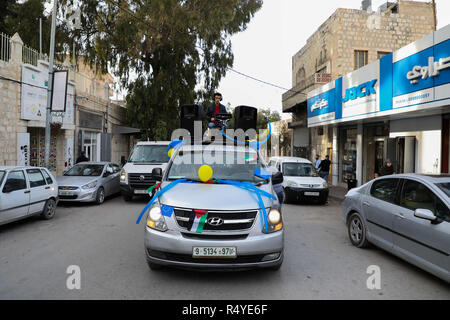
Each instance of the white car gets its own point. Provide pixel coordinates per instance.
(27, 191)
(136, 175)
(301, 180)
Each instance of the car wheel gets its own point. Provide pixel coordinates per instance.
(154, 266)
(100, 196)
(49, 209)
(357, 231)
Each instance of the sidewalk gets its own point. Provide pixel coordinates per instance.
(337, 192)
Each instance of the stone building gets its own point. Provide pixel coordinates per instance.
(91, 122)
(347, 41)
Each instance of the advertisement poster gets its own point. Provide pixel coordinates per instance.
(23, 149)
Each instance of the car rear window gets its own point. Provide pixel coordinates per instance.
(36, 178)
(385, 189)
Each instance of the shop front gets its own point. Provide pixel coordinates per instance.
(395, 108)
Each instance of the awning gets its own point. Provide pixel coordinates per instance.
(124, 130)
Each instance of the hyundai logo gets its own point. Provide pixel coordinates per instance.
(142, 177)
(215, 221)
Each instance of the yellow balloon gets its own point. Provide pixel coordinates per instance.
(205, 173)
(170, 153)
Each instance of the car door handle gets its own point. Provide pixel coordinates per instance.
(400, 216)
(28, 191)
(366, 204)
(47, 187)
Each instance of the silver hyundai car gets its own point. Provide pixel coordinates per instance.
(217, 225)
(405, 214)
(89, 182)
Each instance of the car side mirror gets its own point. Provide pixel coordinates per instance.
(425, 214)
(277, 178)
(157, 174)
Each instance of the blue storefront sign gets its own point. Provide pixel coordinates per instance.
(416, 76)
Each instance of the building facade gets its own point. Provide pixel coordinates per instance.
(347, 41)
(396, 108)
(90, 121)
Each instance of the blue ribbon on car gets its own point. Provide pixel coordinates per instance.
(239, 184)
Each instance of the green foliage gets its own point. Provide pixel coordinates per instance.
(23, 18)
(180, 50)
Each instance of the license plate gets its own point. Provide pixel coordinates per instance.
(140, 191)
(315, 194)
(65, 193)
(218, 252)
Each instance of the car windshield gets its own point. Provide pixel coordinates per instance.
(85, 170)
(294, 169)
(228, 165)
(149, 153)
(2, 174)
(444, 187)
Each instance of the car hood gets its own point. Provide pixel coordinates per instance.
(75, 181)
(213, 197)
(143, 167)
(303, 180)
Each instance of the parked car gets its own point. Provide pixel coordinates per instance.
(27, 191)
(232, 235)
(301, 180)
(136, 175)
(89, 182)
(407, 215)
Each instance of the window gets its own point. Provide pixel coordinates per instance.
(381, 54)
(47, 177)
(297, 169)
(385, 190)
(16, 181)
(415, 195)
(36, 178)
(361, 58)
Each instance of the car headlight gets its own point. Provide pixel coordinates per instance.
(291, 183)
(123, 176)
(90, 185)
(324, 184)
(275, 221)
(155, 219)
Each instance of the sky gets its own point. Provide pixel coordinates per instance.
(276, 33)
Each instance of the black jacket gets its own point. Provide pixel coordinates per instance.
(81, 159)
(386, 171)
(212, 108)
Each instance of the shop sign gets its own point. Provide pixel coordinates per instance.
(320, 104)
(432, 70)
(23, 149)
(361, 91)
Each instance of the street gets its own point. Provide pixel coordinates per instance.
(107, 245)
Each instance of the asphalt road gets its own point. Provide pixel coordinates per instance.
(107, 245)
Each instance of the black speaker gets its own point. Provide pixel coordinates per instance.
(245, 118)
(189, 114)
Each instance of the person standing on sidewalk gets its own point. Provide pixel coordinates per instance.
(324, 168)
(317, 163)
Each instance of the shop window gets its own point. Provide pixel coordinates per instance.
(361, 58)
(348, 154)
(320, 131)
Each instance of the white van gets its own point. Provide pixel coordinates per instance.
(301, 181)
(136, 176)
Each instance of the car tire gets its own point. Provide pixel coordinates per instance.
(154, 266)
(49, 209)
(357, 231)
(100, 198)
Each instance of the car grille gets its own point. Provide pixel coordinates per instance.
(68, 197)
(188, 258)
(315, 186)
(233, 220)
(67, 188)
(135, 181)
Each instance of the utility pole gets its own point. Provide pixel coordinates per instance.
(49, 88)
(434, 14)
(40, 38)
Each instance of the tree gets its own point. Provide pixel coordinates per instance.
(174, 47)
